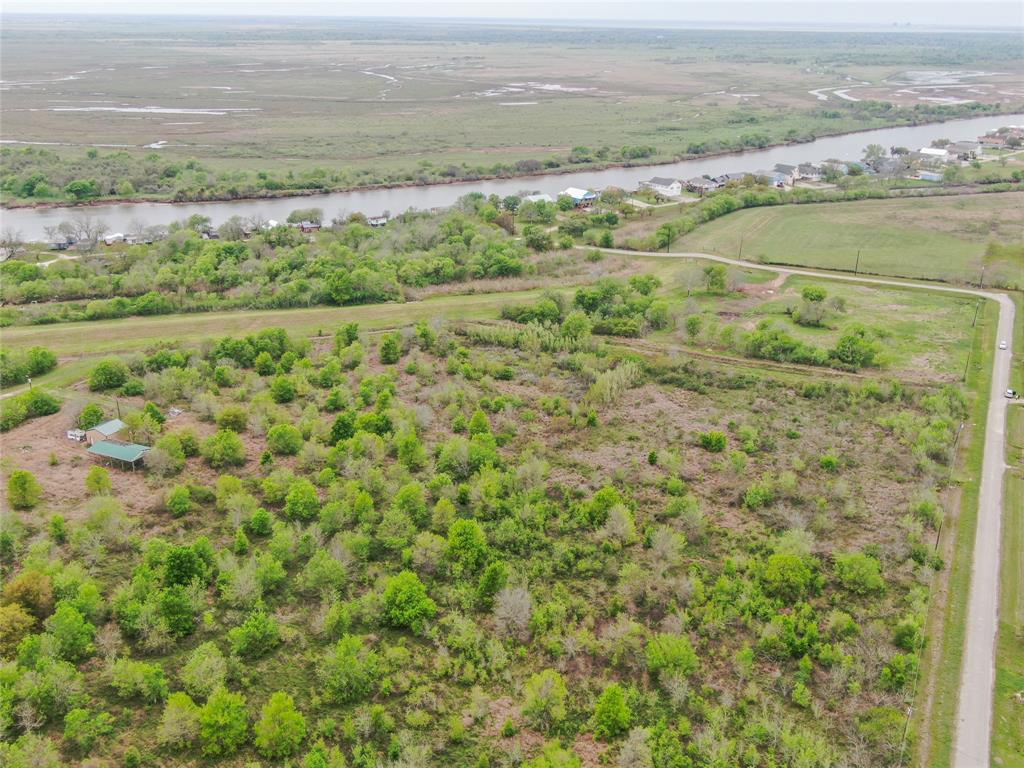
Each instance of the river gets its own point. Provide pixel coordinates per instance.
(30, 223)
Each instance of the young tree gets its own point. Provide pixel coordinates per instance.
(406, 603)
(23, 490)
(83, 728)
(282, 390)
(348, 671)
(284, 439)
(90, 416)
(179, 725)
(612, 715)
(467, 546)
(179, 501)
(715, 278)
(256, 636)
(281, 727)
(223, 723)
(223, 449)
(97, 481)
(109, 374)
(391, 348)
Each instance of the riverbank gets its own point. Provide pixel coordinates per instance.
(20, 203)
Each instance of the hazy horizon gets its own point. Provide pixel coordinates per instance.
(729, 13)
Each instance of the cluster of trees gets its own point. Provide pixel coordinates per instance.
(350, 263)
(609, 307)
(17, 366)
(379, 518)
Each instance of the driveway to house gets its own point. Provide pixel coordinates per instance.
(972, 741)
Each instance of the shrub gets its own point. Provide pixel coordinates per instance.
(829, 463)
(302, 501)
(179, 501)
(788, 576)
(406, 603)
(282, 390)
(257, 635)
(348, 671)
(713, 441)
(672, 654)
(33, 591)
(544, 700)
(612, 715)
(15, 623)
(391, 348)
(859, 573)
(223, 723)
(281, 728)
(23, 490)
(284, 439)
(72, 633)
(223, 449)
(97, 481)
(138, 679)
(38, 403)
(83, 728)
(109, 374)
(467, 546)
(760, 494)
(233, 417)
(179, 725)
(205, 671)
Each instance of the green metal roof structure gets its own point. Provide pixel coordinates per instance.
(127, 452)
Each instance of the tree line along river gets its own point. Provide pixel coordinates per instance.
(31, 223)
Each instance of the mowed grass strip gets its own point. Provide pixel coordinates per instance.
(1008, 716)
(939, 238)
(947, 621)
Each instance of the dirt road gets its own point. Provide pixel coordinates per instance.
(973, 737)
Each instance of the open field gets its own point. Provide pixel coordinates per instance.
(942, 238)
(354, 103)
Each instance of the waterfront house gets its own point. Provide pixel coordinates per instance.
(808, 172)
(540, 197)
(663, 186)
(702, 185)
(581, 198)
(789, 171)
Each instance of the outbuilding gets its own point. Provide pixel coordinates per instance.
(108, 430)
(125, 454)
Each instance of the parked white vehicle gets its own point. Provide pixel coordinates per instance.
(1002, 345)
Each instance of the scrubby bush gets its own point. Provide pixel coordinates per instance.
(859, 573)
(544, 699)
(284, 439)
(23, 490)
(406, 603)
(109, 374)
(713, 441)
(223, 449)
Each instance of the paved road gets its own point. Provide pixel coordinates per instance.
(977, 676)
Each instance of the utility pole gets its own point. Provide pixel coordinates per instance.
(981, 284)
(968, 365)
(977, 307)
(856, 267)
(741, 247)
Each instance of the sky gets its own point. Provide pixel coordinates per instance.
(997, 13)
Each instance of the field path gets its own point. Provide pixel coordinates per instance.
(973, 738)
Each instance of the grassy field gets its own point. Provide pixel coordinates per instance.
(366, 99)
(941, 238)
